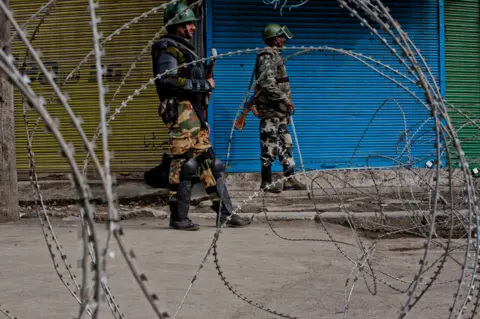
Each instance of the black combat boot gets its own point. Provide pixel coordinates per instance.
(292, 183)
(225, 211)
(172, 202)
(221, 192)
(267, 179)
(179, 208)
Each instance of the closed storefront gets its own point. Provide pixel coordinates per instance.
(64, 39)
(462, 59)
(346, 113)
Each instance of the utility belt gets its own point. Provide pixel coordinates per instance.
(194, 98)
(188, 155)
(207, 154)
(168, 109)
(286, 79)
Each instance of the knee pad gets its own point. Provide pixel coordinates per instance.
(189, 169)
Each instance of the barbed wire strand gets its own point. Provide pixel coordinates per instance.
(107, 39)
(6, 313)
(6, 64)
(132, 67)
(37, 194)
(443, 127)
(435, 103)
(44, 9)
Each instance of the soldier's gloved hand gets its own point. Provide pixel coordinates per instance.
(291, 109)
(168, 111)
(161, 108)
(211, 82)
(208, 130)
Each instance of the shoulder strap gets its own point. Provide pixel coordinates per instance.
(195, 56)
(164, 43)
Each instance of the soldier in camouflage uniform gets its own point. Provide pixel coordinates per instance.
(273, 100)
(183, 93)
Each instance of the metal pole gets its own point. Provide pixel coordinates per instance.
(309, 192)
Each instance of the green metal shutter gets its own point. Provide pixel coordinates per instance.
(64, 40)
(462, 59)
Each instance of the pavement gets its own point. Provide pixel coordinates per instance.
(270, 263)
(304, 279)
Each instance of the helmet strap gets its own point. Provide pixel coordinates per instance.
(275, 41)
(272, 42)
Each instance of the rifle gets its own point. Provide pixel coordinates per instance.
(249, 106)
(209, 74)
(212, 63)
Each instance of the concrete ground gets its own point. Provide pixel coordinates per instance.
(303, 279)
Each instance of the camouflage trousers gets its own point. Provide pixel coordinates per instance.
(275, 140)
(186, 135)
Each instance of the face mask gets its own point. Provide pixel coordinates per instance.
(284, 31)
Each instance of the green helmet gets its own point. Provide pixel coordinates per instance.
(275, 30)
(186, 14)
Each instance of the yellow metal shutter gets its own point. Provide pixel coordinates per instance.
(64, 39)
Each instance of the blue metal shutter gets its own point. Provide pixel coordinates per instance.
(335, 96)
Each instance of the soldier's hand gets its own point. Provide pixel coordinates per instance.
(208, 130)
(291, 108)
(160, 110)
(211, 82)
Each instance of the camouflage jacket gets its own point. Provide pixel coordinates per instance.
(272, 91)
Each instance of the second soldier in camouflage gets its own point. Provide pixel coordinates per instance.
(273, 100)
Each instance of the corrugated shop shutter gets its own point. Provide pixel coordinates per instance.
(335, 96)
(64, 40)
(462, 60)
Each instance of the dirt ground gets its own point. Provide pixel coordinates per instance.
(303, 279)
